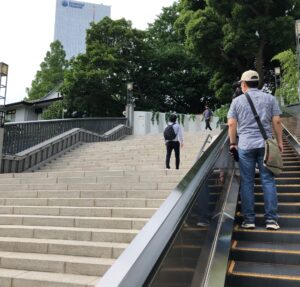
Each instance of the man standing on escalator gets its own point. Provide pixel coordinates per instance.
(251, 147)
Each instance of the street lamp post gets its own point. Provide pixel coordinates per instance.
(3, 87)
(129, 93)
(129, 105)
(277, 83)
(297, 32)
(277, 76)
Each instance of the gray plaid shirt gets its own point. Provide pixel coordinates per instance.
(266, 106)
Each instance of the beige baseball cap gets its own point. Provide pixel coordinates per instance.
(250, 76)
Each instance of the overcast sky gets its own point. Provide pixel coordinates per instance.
(27, 29)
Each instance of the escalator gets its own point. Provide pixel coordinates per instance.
(194, 239)
(265, 258)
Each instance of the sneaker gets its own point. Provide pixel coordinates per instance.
(272, 224)
(202, 224)
(248, 225)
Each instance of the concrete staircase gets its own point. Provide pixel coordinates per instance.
(66, 224)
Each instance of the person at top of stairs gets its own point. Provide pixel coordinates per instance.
(173, 135)
(251, 147)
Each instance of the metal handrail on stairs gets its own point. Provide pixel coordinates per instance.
(202, 149)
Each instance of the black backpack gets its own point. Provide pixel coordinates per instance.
(169, 133)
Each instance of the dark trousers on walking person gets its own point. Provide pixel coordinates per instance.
(207, 124)
(173, 145)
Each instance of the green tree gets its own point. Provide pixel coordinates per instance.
(179, 80)
(289, 81)
(96, 81)
(54, 111)
(232, 36)
(51, 73)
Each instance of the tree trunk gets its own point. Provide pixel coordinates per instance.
(259, 59)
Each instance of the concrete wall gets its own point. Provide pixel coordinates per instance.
(143, 124)
(25, 113)
(294, 109)
(31, 115)
(20, 114)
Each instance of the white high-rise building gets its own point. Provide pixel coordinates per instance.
(72, 19)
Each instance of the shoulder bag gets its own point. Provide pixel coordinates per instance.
(272, 157)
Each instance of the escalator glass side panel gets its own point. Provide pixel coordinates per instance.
(188, 255)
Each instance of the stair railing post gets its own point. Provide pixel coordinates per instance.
(130, 105)
(2, 117)
(130, 115)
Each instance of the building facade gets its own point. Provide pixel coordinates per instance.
(72, 19)
(24, 111)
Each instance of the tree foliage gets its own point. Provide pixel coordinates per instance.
(165, 75)
(289, 81)
(180, 80)
(230, 36)
(96, 82)
(187, 58)
(54, 111)
(51, 73)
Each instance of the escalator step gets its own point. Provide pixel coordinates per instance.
(266, 252)
(295, 188)
(260, 234)
(283, 181)
(282, 197)
(248, 274)
(291, 163)
(283, 207)
(295, 173)
(290, 168)
(285, 220)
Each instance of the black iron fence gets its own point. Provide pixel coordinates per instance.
(23, 135)
(34, 157)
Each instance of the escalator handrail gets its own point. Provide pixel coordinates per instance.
(136, 262)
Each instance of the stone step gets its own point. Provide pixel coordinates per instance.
(119, 158)
(72, 221)
(24, 278)
(69, 233)
(111, 168)
(62, 247)
(7, 196)
(98, 202)
(55, 263)
(90, 186)
(87, 180)
(108, 164)
(65, 224)
(99, 173)
(132, 212)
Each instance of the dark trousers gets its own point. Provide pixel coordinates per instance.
(207, 124)
(170, 146)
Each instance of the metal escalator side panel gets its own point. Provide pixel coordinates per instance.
(190, 259)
